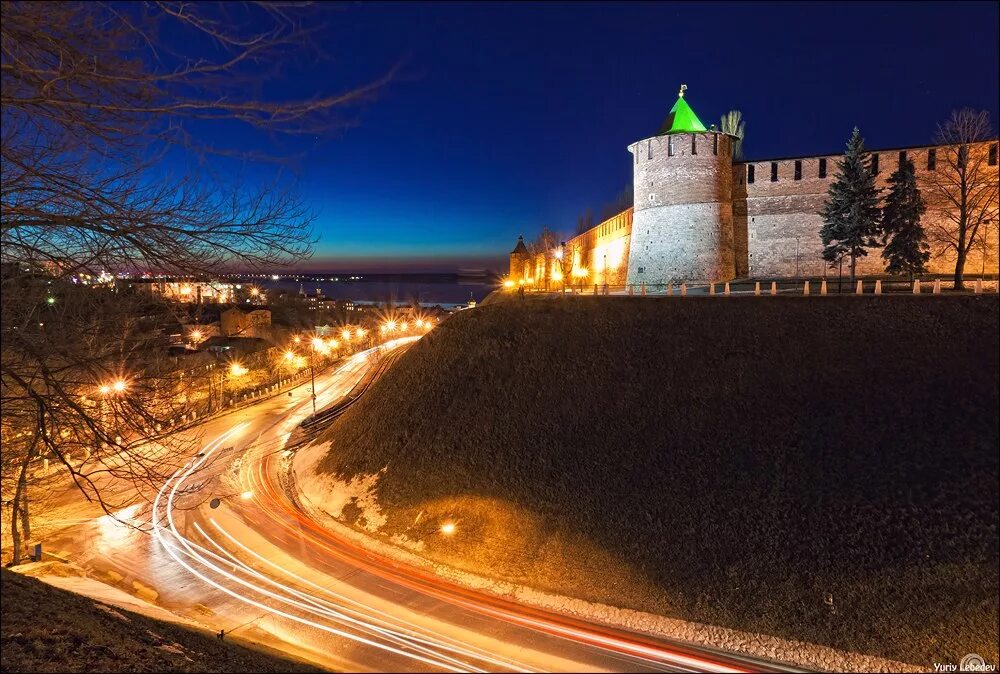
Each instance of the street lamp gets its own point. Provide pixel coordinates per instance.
(116, 388)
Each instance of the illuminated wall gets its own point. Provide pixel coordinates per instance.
(777, 221)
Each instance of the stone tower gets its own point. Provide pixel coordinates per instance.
(519, 257)
(682, 181)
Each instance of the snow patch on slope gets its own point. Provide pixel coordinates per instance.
(332, 495)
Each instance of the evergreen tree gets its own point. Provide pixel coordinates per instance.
(851, 213)
(906, 250)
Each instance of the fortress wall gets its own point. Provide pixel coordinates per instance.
(682, 228)
(600, 254)
(781, 218)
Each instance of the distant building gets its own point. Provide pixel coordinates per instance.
(236, 322)
(200, 292)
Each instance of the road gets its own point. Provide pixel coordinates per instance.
(256, 565)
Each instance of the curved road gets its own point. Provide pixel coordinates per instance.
(258, 565)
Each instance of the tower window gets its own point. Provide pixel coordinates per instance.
(649, 149)
(875, 164)
(931, 159)
(902, 158)
(992, 157)
(774, 172)
(822, 167)
(750, 168)
(798, 169)
(715, 144)
(670, 146)
(694, 144)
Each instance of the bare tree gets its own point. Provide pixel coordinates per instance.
(622, 201)
(962, 191)
(95, 101)
(545, 243)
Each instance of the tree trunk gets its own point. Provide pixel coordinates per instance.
(854, 266)
(960, 268)
(18, 511)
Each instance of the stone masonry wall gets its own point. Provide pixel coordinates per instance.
(780, 222)
(682, 228)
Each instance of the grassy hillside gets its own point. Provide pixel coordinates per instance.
(815, 468)
(45, 629)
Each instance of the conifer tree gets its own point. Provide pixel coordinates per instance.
(851, 213)
(906, 250)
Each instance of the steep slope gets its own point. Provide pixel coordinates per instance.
(45, 629)
(821, 469)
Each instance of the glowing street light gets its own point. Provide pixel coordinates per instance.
(289, 356)
(237, 370)
(448, 529)
(247, 495)
(318, 344)
(196, 336)
(119, 386)
(360, 332)
(508, 284)
(105, 389)
(345, 334)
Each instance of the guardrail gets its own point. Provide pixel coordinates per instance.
(877, 286)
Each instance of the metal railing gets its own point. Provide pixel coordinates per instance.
(773, 287)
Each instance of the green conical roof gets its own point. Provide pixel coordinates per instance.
(681, 118)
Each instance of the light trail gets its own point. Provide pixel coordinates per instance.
(280, 591)
(202, 556)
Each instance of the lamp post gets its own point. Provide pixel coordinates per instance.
(317, 344)
(117, 387)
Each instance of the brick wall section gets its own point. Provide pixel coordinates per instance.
(586, 253)
(682, 228)
(782, 223)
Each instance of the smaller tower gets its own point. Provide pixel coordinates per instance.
(519, 257)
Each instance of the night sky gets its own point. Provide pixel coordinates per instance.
(505, 118)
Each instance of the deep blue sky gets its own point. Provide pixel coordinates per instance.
(509, 117)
